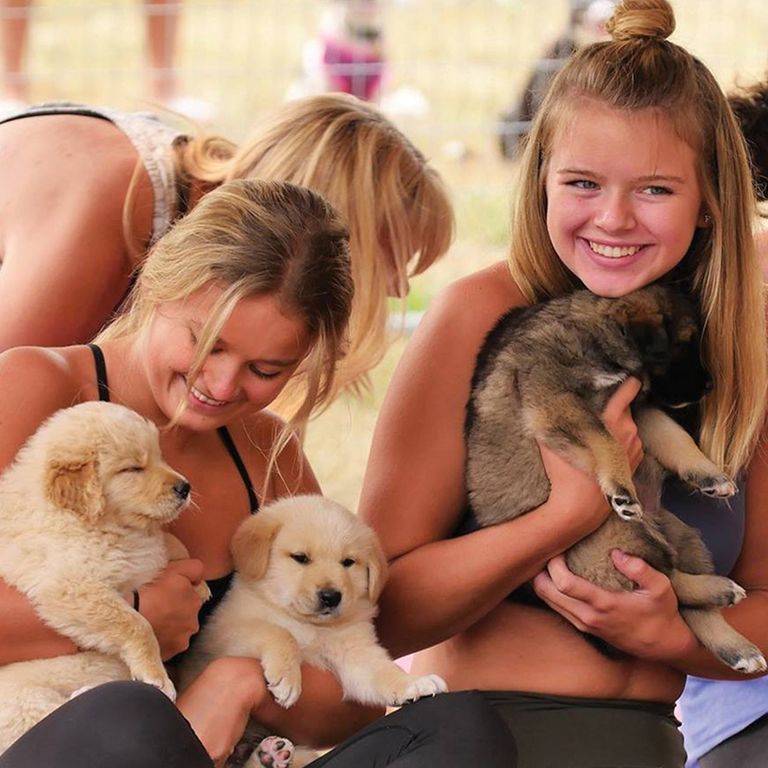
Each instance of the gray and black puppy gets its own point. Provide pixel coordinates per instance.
(546, 372)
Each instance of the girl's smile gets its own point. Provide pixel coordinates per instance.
(623, 197)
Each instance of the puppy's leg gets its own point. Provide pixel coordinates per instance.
(566, 424)
(368, 674)
(677, 452)
(716, 634)
(705, 590)
(97, 618)
(280, 658)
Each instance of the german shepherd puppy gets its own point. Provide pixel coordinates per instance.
(546, 372)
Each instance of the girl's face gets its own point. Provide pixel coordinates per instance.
(623, 198)
(256, 353)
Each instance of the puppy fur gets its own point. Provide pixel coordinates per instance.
(81, 515)
(308, 575)
(545, 373)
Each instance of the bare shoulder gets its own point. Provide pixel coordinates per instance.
(34, 383)
(461, 316)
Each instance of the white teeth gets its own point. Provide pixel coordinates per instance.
(205, 399)
(612, 251)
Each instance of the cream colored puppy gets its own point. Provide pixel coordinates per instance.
(81, 515)
(309, 573)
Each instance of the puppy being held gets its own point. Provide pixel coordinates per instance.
(309, 573)
(81, 513)
(546, 372)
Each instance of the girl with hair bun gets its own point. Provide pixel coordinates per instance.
(634, 172)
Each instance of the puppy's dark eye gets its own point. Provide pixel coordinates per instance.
(348, 562)
(300, 558)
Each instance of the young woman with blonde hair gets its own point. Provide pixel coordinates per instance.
(634, 172)
(252, 288)
(88, 190)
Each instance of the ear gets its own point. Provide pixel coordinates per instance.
(650, 336)
(252, 544)
(377, 566)
(75, 485)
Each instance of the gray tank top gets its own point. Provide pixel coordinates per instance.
(153, 141)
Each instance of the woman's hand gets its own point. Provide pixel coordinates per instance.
(171, 604)
(219, 702)
(577, 489)
(643, 623)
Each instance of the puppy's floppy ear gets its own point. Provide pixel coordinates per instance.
(376, 564)
(252, 543)
(74, 484)
(651, 337)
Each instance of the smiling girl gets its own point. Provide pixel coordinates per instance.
(634, 172)
(252, 290)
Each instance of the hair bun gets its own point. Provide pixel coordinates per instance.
(641, 18)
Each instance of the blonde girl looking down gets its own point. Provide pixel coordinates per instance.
(250, 290)
(110, 183)
(634, 172)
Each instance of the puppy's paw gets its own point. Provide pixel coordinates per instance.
(746, 660)
(625, 505)
(728, 592)
(163, 682)
(203, 591)
(416, 687)
(717, 486)
(285, 685)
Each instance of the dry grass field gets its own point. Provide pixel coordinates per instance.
(467, 58)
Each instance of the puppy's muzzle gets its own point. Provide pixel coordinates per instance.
(328, 600)
(181, 490)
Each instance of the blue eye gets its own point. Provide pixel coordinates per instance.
(655, 191)
(583, 184)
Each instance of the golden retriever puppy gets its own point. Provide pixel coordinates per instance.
(81, 514)
(309, 573)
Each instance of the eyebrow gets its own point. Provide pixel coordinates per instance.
(651, 177)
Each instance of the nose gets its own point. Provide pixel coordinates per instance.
(329, 598)
(182, 489)
(221, 378)
(615, 214)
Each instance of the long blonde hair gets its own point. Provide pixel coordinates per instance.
(256, 238)
(639, 69)
(397, 209)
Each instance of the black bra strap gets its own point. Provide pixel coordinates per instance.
(229, 444)
(101, 372)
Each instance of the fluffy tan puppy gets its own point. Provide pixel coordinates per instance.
(81, 515)
(309, 573)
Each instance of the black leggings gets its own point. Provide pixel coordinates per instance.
(133, 725)
(453, 730)
(116, 725)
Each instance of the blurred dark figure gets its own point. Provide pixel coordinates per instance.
(586, 25)
(750, 105)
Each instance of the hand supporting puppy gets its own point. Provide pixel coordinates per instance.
(644, 623)
(171, 603)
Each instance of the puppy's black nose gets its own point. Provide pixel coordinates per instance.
(329, 598)
(182, 489)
